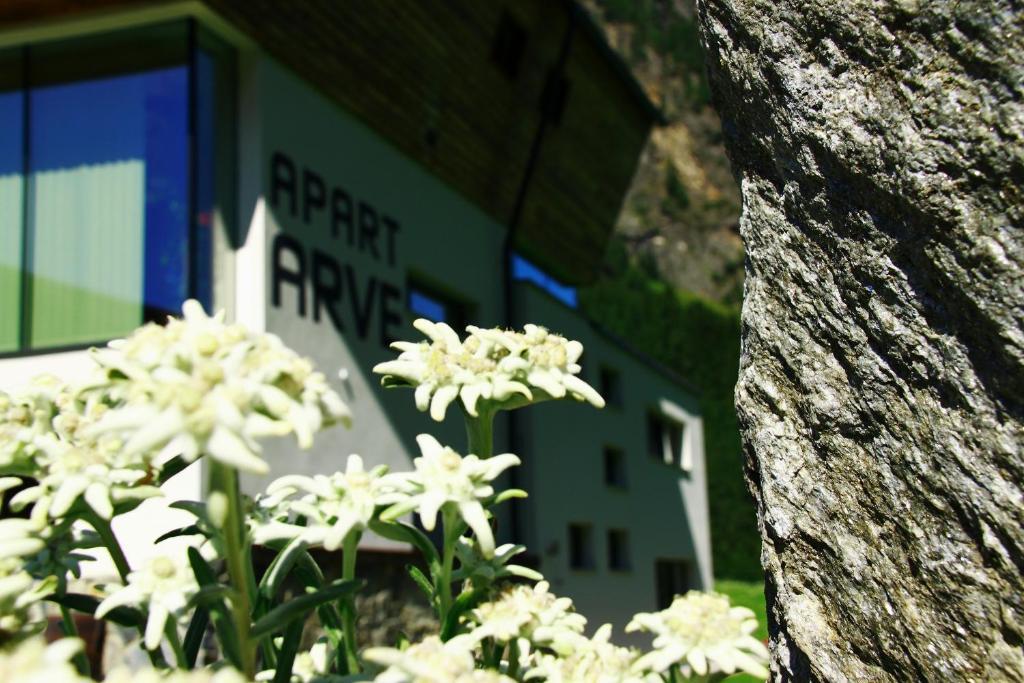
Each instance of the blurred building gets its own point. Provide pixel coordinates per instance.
(329, 172)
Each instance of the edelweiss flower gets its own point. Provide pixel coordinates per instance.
(198, 386)
(221, 675)
(531, 616)
(334, 505)
(20, 595)
(164, 587)
(24, 417)
(478, 569)
(445, 478)
(308, 666)
(594, 660)
(703, 633)
(503, 368)
(432, 661)
(33, 661)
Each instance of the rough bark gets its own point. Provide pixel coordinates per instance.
(879, 149)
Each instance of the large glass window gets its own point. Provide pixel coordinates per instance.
(105, 198)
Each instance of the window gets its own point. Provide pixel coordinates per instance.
(107, 186)
(524, 270)
(672, 578)
(427, 301)
(611, 386)
(618, 550)
(615, 468)
(581, 546)
(665, 441)
(509, 45)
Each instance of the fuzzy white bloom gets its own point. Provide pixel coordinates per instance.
(198, 385)
(25, 417)
(444, 478)
(478, 569)
(20, 596)
(332, 505)
(702, 633)
(594, 660)
(532, 617)
(308, 666)
(33, 661)
(504, 368)
(163, 588)
(222, 675)
(432, 661)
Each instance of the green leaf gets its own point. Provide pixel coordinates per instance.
(87, 604)
(509, 494)
(219, 615)
(278, 570)
(171, 468)
(465, 602)
(207, 595)
(190, 530)
(193, 507)
(286, 655)
(407, 533)
(194, 635)
(300, 606)
(422, 581)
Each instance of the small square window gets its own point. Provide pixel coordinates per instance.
(581, 546)
(665, 441)
(615, 468)
(425, 301)
(611, 386)
(618, 550)
(672, 578)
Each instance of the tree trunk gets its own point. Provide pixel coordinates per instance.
(881, 395)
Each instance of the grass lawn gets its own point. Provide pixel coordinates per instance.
(748, 594)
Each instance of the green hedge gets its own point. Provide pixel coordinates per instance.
(700, 340)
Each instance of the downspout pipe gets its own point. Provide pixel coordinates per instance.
(517, 530)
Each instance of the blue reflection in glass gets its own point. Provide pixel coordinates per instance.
(109, 158)
(524, 270)
(426, 306)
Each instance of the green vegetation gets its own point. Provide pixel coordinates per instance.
(699, 339)
(659, 27)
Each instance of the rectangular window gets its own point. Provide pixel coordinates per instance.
(618, 550)
(615, 468)
(104, 154)
(431, 302)
(665, 441)
(672, 578)
(581, 546)
(611, 386)
(524, 270)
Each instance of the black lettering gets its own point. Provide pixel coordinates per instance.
(368, 228)
(392, 227)
(313, 194)
(282, 179)
(341, 214)
(282, 273)
(388, 315)
(326, 288)
(362, 309)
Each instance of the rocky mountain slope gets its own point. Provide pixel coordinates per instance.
(680, 217)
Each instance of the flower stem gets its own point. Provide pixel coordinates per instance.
(480, 433)
(348, 603)
(225, 479)
(71, 631)
(171, 631)
(450, 518)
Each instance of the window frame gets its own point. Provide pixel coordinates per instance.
(66, 65)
